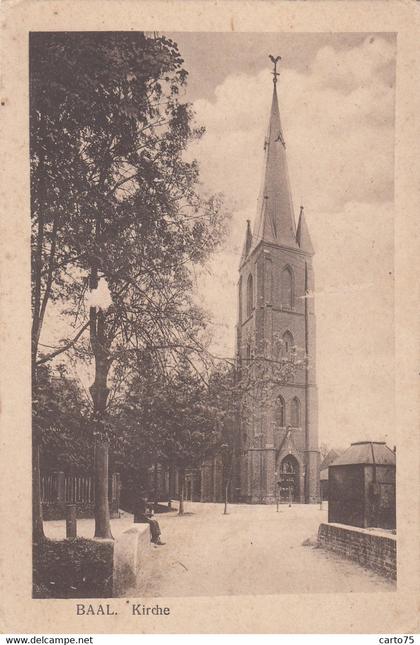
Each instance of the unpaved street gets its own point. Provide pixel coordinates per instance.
(253, 550)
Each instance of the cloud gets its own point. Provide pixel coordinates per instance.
(354, 285)
(338, 121)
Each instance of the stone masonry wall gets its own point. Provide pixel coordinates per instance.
(377, 551)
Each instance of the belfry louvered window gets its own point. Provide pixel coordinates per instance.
(287, 288)
(295, 412)
(288, 342)
(280, 413)
(249, 295)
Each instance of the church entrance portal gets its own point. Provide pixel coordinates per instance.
(289, 479)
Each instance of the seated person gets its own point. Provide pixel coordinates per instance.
(142, 515)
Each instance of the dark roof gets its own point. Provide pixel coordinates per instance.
(329, 458)
(366, 452)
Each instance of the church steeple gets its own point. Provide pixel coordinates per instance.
(278, 432)
(275, 221)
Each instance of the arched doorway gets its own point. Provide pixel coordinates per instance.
(289, 479)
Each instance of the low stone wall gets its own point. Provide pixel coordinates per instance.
(375, 550)
(130, 551)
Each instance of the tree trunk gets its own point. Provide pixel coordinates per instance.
(155, 486)
(228, 471)
(99, 392)
(181, 493)
(102, 517)
(171, 490)
(37, 523)
(226, 498)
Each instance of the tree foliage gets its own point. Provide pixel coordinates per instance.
(118, 217)
(165, 417)
(111, 190)
(61, 415)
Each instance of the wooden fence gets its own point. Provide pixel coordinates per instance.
(59, 489)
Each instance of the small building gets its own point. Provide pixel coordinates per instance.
(323, 484)
(362, 486)
(323, 472)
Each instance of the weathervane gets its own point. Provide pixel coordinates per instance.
(275, 61)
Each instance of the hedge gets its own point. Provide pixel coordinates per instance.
(72, 568)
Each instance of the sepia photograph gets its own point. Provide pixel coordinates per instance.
(209, 320)
(213, 333)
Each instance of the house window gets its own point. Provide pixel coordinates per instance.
(295, 413)
(287, 288)
(250, 295)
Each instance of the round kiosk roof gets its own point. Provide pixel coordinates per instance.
(366, 452)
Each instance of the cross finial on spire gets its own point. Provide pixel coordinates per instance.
(275, 73)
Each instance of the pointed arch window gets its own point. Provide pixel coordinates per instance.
(248, 352)
(249, 295)
(287, 295)
(289, 465)
(295, 413)
(280, 413)
(288, 342)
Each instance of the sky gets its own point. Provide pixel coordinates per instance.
(336, 95)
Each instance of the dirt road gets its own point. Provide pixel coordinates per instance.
(252, 550)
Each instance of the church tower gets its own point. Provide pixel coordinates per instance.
(278, 436)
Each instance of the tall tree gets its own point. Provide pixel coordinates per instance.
(167, 418)
(115, 206)
(224, 396)
(61, 416)
(188, 421)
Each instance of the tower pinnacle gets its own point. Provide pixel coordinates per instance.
(302, 235)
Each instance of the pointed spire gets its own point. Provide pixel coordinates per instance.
(302, 235)
(275, 219)
(248, 241)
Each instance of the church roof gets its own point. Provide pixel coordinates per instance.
(329, 458)
(275, 220)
